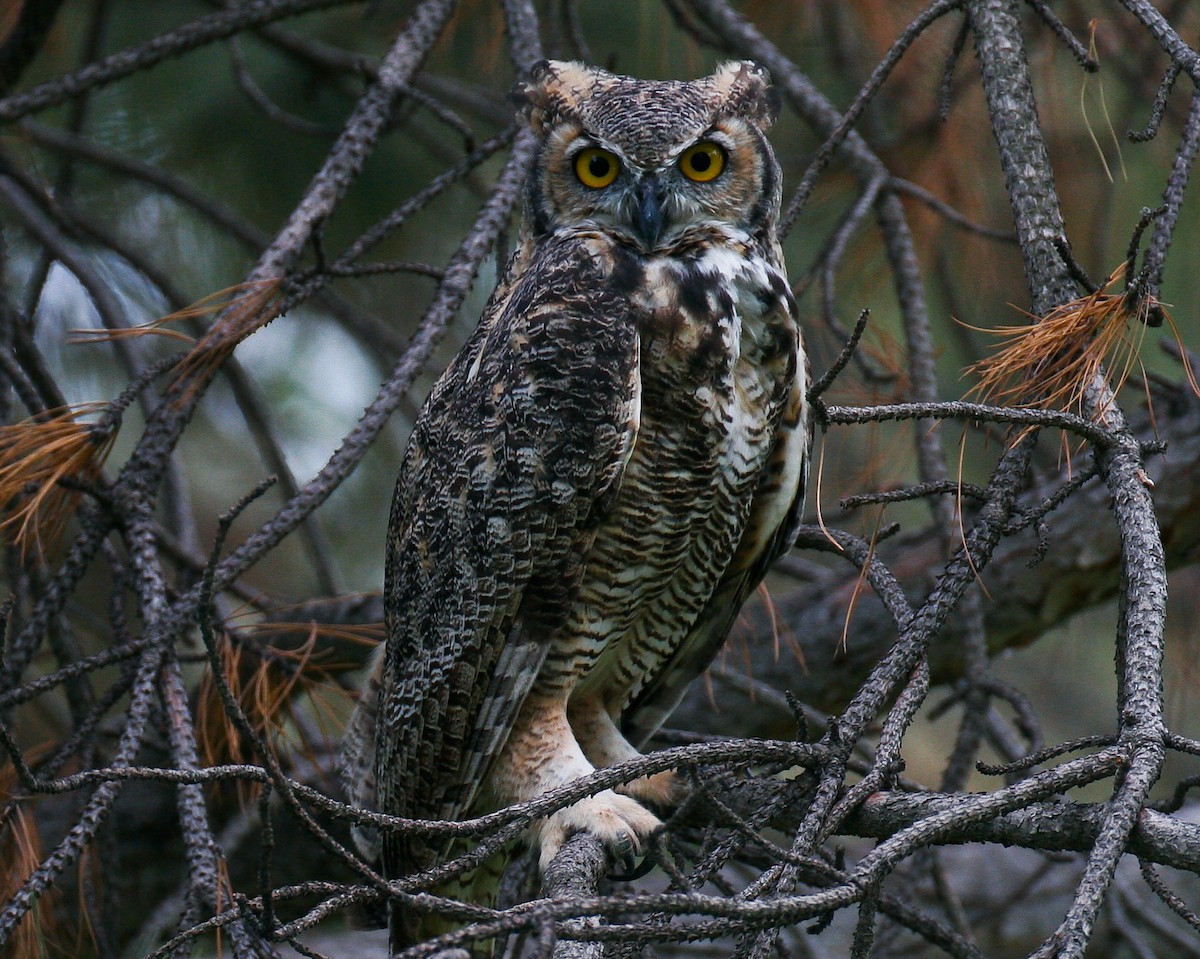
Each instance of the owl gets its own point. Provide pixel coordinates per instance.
(603, 473)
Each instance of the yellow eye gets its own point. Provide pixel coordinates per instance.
(702, 162)
(596, 168)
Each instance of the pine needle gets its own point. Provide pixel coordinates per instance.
(358, 634)
(1094, 54)
(205, 306)
(36, 455)
(254, 306)
(88, 336)
(1052, 362)
(269, 682)
(860, 581)
(38, 932)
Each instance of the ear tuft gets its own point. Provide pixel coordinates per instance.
(553, 88)
(747, 91)
(529, 96)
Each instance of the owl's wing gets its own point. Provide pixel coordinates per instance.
(512, 465)
(771, 528)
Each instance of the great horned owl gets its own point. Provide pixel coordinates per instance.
(600, 477)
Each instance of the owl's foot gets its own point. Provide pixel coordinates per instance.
(604, 745)
(622, 824)
(662, 792)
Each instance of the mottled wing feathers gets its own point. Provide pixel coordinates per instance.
(516, 669)
(510, 469)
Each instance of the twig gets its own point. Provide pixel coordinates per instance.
(213, 27)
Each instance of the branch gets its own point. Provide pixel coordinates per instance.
(1028, 175)
(1039, 591)
(1056, 826)
(574, 874)
(216, 26)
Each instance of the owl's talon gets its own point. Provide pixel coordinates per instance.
(633, 870)
(624, 856)
(620, 823)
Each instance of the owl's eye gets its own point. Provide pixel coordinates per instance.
(703, 161)
(596, 168)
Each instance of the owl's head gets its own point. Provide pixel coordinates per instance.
(655, 163)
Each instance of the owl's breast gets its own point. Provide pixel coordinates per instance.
(727, 307)
(718, 357)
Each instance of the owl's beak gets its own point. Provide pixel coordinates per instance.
(649, 218)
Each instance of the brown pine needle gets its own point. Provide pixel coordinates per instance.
(268, 682)
(1051, 362)
(769, 606)
(219, 738)
(153, 328)
(255, 305)
(36, 455)
(1184, 356)
(39, 932)
(206, 306)
(779, 630)
(817, 498)
(860, 582)
(358, 634)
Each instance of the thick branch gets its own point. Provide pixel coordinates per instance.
(1028, 176)
(575, 874)
(1058, 826)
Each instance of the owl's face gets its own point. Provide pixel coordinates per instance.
(658, 164)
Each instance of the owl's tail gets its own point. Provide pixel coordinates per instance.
(479, 887)
(356, 760)
(408, 927)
